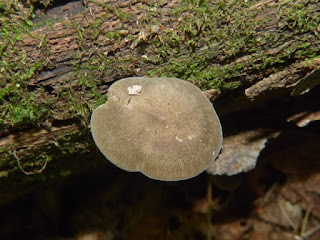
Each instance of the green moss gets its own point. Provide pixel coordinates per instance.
(201, 48)
(222, 31)
(299, 16)
(19, 107)
(204, 34)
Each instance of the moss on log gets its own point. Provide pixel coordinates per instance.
(56, 65)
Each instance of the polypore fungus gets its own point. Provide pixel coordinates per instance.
(165, 128)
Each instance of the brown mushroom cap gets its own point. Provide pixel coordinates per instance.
(165, 128)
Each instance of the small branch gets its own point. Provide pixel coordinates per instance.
(29, 172)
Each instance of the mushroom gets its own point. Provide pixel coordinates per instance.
(165, 128)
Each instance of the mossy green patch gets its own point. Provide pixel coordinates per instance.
(209, 35)
(221, 32)
(19, 107)
(212, 44)
(300, 15)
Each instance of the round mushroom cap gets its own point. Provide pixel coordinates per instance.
(165, 128)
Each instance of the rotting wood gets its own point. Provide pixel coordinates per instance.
(71, 43)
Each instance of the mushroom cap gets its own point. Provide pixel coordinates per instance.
(165, 128)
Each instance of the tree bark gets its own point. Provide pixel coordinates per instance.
(254, 54)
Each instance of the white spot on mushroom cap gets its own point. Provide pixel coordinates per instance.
(134, 90)
(190, 137)
(175, 110)
(179, 139)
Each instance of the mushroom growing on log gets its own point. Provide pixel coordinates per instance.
(165, 128)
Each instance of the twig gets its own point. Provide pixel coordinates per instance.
(29, 172)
